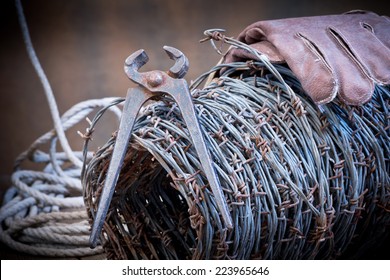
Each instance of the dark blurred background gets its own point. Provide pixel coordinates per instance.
(82, 45)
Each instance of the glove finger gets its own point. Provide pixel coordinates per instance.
(373, 57)
(312, 69)
(338, 74)
(355, 88)
(355, 85)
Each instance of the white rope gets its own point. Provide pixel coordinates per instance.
(46, 85)
(43, 212)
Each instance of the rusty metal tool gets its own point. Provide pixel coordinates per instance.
(152, 85)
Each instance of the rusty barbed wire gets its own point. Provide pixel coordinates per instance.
(301, 182)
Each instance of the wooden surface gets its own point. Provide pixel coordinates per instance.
(82, 46)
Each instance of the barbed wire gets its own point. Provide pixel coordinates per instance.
(301, 182)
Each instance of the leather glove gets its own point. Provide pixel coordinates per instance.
(344, 55)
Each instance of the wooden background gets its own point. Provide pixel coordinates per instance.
(82, 45)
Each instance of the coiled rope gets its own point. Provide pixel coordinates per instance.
(301, 182)
(43, 212)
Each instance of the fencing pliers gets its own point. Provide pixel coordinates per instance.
(151, 85)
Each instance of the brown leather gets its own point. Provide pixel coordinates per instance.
(342, 55)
